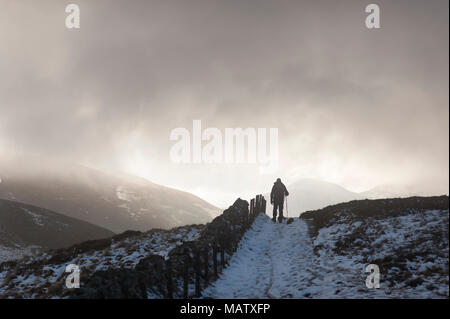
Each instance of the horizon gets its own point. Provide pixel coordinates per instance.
(221, 201)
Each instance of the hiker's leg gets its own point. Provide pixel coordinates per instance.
(280, 216)
(274, 211)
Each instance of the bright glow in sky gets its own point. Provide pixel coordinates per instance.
(353, 106)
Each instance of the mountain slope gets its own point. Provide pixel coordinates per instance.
(24, 228)
(123, 251)
(324, 254)
(116, 202)
(129, 265)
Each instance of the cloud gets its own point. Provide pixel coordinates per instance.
(361, 106)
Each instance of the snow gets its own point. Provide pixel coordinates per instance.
(14, 253)
(37, 219)
(273, 260)
(123, 254)
(282, 261)
(247, 276)
(410, 241)
(276, 260)
(126, 195)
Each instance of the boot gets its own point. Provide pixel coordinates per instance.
(274, 219)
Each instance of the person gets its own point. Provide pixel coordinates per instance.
(277, 199)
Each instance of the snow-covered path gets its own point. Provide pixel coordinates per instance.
(276, 260)
(273, 261)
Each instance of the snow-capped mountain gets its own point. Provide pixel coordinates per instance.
(26, 229)
(116, 202)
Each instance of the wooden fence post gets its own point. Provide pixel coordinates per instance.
(222, 256)
(247, 221)
(197, 272)
(206, 258)
(215, 260)
(258, 201)
(169, 279)
(186, 275)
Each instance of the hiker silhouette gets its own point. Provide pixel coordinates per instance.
(277, 199)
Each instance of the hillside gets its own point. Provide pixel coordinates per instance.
(322, 254)
(116, 267)
(406, 237)
(115, 202)
(46, 273)
(25, 228)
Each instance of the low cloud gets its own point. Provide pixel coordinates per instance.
(354, 106)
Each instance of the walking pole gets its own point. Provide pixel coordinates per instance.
(287, 210)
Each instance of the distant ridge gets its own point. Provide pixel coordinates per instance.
(25, 227)
(116, 202)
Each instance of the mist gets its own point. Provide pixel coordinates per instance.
(353, 106)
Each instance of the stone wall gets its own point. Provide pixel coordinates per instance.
(189, 268)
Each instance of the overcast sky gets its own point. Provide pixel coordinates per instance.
(353, 106)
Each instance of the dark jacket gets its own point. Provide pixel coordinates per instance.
(278, 192)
